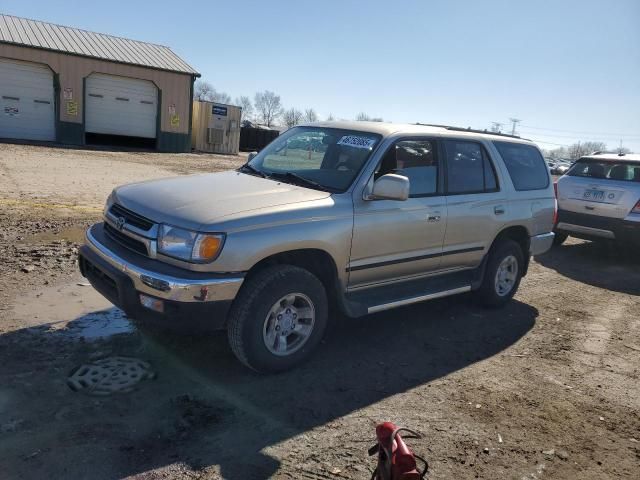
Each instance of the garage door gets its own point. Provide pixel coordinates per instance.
(120, 106)
(27, 109)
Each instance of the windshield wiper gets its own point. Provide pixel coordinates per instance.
(253, 170)
(297, 179)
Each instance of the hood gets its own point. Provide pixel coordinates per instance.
(199, 201)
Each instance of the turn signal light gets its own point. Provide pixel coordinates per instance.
(208, 247)
(636, 209)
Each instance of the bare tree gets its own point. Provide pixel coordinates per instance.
(363, 117)
(220, 97)
(202, 90)
(330, 118)
(292, 117)
(580, 149)
(268, 106)
(205, 92)
(622, 150)
(310, 115)
(247, 107)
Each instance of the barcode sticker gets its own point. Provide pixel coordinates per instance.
(357, 142)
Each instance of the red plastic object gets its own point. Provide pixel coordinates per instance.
(395, 460)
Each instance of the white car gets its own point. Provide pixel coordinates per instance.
(599, 198)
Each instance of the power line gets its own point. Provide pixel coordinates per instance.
(580, 132)
(617, 137)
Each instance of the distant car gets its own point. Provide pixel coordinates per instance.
(560, 168)
(599, 198)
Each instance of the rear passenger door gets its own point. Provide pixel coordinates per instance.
(476, 204)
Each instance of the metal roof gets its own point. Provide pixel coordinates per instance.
(49, 36)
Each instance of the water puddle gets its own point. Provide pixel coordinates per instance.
(99, 325)
(74, 310)
(70, 234)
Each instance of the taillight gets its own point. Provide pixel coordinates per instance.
(636, 209)
(555, 204)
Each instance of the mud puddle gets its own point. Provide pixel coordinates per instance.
(75, 310)
(69, 234)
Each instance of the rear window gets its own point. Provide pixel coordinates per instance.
(526, 165)
(612, 170)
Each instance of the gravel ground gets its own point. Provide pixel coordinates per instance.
(544, 388)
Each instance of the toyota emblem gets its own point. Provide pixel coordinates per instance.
(120, 221)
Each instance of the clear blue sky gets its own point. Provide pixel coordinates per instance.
(562, 66)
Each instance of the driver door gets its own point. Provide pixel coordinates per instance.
(397, 240)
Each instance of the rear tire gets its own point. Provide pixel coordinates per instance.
(560, 238)
(502, 275)
(283, 296)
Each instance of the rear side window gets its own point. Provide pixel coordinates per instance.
(600, 169)
(469, 169)
(525, 164)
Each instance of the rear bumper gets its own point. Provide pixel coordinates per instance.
(540, 244)
(189, 298)
(595, 227)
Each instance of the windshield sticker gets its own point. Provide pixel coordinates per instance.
(357, 142)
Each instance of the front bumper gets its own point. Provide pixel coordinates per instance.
(199, 299)
(596, 227)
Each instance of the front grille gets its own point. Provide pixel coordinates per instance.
(130, 217)
(125, 240)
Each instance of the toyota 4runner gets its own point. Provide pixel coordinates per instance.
(361, 216)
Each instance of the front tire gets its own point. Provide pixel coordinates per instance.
(502, 275)
(278, 318)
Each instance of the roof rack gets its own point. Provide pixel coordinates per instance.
(471, 130)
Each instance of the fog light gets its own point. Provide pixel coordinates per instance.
(152, 303)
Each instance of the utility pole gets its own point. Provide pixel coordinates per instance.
(515, 122)
(496, 127)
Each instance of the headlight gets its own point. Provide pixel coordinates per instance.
(189, 246)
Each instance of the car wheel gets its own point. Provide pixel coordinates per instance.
(560, 238)
(277, 319)
(502, 275)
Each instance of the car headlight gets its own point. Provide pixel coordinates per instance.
(189, 246)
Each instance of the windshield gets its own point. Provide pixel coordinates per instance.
(606, 169)
(316, 157)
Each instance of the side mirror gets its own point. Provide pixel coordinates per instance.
(390, 187)
(251, 156)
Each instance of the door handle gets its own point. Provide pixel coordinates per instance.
(433, 218)
(499, 210)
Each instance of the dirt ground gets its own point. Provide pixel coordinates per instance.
(547, 387)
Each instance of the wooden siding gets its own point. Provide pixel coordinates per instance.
(204, 119)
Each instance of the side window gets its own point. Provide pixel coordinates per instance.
(526, 165)
(469, 168)
(417, 160)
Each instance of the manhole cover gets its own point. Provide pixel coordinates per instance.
(110, 375)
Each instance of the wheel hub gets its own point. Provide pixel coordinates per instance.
(286, 320)
(289, 324)
(506, 275)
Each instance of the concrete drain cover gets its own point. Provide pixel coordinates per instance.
(110, 375)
